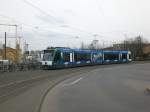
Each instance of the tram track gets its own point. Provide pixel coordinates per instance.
(47, 80)
(13, 88)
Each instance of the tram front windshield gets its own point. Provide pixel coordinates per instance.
(48, 56)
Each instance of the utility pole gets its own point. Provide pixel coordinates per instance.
(16, 26)
(16, 36)
(5, 47)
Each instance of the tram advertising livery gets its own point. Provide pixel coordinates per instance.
(65, 57)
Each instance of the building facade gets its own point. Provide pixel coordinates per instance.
(13, 55)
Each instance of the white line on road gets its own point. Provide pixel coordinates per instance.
(74, 82)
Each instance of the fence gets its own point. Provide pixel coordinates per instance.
(19, 67)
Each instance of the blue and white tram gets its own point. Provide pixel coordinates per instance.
(66, 57)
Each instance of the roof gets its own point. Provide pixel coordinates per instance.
(89, 51)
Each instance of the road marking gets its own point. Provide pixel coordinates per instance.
(74, 82)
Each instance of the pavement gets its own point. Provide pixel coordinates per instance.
(111, 89)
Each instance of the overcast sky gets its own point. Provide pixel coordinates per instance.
(45, 23)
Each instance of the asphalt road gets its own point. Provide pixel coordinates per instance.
(28, 91)
(111, 89)
(25, 91)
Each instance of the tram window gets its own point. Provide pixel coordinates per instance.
(97, 56)
(77, 57)
(82, 57)
(111, 57)
(130, 56)
(88, 56)
(48, 56)
(66, 57)
(85, 57)
(115, 57)
(106, 56)
(57, 56)
(124, 56)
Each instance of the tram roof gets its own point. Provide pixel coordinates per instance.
(89, 51)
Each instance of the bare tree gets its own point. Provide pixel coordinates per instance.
(135, 45)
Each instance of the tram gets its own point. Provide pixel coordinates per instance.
(61, 57)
